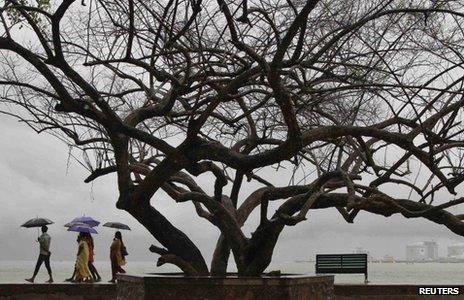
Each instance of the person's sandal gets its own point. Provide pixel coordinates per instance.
(49, 281)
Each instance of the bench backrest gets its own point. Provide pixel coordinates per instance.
(341, 263)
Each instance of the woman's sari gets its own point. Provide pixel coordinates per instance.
(117, 260)
(116, 252)
(82, 262)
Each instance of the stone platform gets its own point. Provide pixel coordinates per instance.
(133, 287)
(390, 292)
(165, 287)
(57, 291)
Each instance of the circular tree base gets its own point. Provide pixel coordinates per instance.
(175, 286)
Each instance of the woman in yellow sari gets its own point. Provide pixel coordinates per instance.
(82, 261)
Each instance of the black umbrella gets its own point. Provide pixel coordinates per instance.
(116, 225)
(37, 222)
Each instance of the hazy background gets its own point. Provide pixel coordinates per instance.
(38, 179)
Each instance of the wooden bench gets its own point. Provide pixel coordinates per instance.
(342, 264)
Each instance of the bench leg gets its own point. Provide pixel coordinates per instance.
(365, 278)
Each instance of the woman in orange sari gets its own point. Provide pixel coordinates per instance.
(116, 256)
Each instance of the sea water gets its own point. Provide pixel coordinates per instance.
(379, 273)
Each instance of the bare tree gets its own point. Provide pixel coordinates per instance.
(353, 97)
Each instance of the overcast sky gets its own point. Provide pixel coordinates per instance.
(35, 181)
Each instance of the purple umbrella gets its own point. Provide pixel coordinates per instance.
(84, 219)
(82, 227)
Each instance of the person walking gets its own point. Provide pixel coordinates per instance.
(117, 253)
(44, 255)
(82, 272)
(96, 277)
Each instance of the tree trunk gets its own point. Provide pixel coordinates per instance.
(220, 257)
(259, 252)
(175, 241)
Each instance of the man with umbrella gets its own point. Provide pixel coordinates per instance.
(44, 255)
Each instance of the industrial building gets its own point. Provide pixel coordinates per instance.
(455, 251)
(422, 251)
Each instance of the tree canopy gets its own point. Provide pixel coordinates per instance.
(360, 100)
